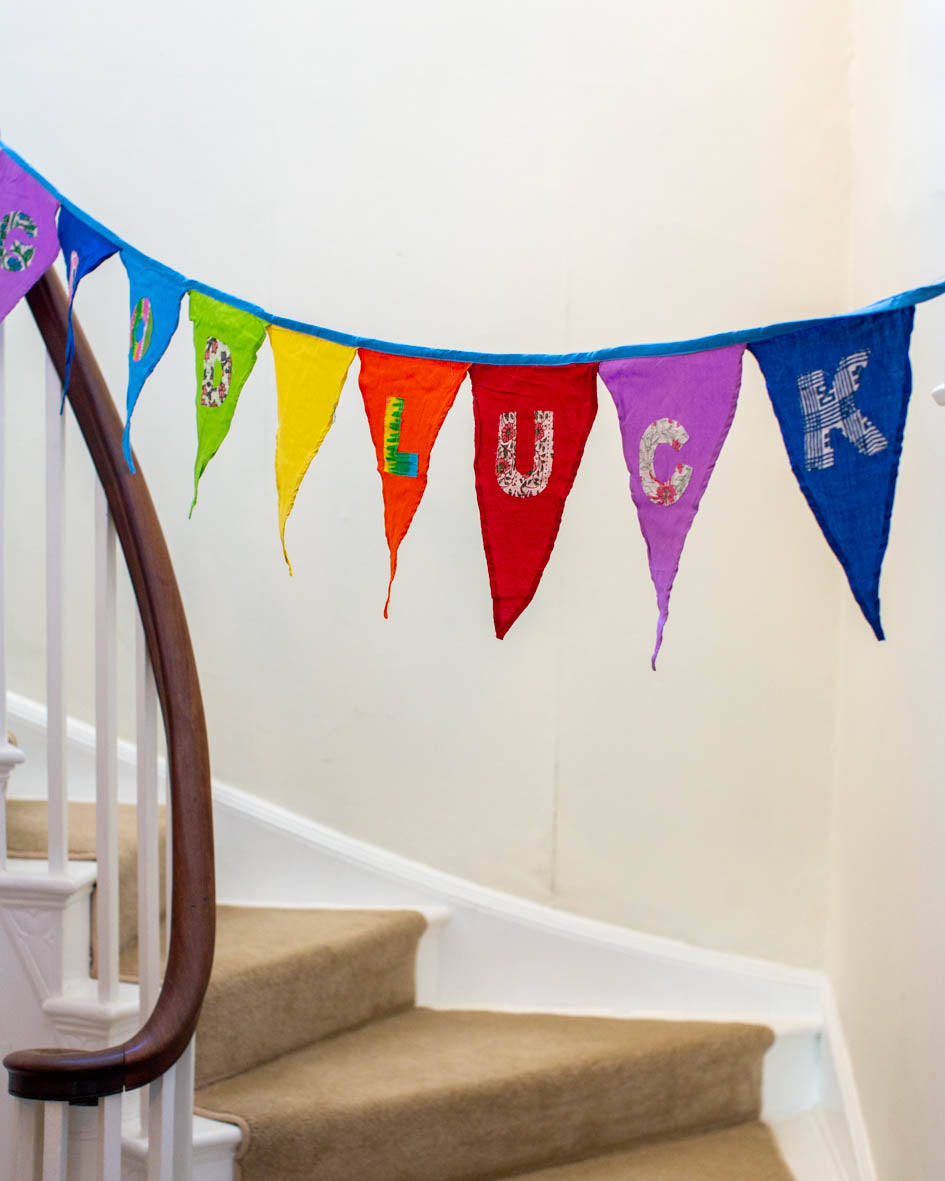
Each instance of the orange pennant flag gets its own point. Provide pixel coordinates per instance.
(406, 400)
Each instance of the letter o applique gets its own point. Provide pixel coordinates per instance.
(217, 371)
(142, 322)
(511, 480)
(674, 434)
(16, 256)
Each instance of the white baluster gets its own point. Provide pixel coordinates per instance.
(9, 754)
(109, 1138)
(184, 1115)
(161, 1128)
(55, 682)
(55, 1141)
(106, 753)
(149, 875)
(27, 1161)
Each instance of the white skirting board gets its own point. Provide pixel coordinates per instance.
(487, 949)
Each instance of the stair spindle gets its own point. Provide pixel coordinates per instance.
(106, 753)
(55, 672)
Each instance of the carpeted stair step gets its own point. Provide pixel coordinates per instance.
(27, 837)
(744, 1153)
(465, 1096)
(282, 979)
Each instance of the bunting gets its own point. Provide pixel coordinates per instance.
(83, 249)
(226, 341)
(406, 400)
(840, 390)
(155, 294)
(310, 374)
(28, 240)
(675, 414)
(531, 427)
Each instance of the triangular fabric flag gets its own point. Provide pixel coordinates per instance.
(531, 426)
(155, 293)
(840, 390)
(688, 403)
(406, 400)
(83, 249)
(28, 240)
(226, 341)
(310, 374)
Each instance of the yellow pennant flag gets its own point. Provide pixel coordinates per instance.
(309, 375)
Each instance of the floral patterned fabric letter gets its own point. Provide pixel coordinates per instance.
(83, 249)
(226, 341)
(28, 240)
(310, 373)
(406, 400)
(531, 426)
(840, 390)
(155, 294)
(675, 414)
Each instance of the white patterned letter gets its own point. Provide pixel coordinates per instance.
(674, 434)
(828, 410)
(511, 480)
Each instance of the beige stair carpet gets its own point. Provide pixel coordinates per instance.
(308, 1040)
(744, 1153)
(27, 837)
(285, 978)
(462, 1096)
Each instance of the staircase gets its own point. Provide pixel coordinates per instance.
(311, 1057)
(310, 1042)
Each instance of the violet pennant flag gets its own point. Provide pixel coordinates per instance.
(28, 240)
(155, 293)
(406, 400)
(226, 341)
(674, 413)
(532, 423)
(840, 390)
(83, 249)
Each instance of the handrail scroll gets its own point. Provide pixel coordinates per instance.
(84, 1076)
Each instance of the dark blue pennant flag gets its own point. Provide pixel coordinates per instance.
(840, 390)
(155, 295)
(28, 243)
(83, 249)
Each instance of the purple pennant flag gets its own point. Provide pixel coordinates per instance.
(675, 413)
(28, 241)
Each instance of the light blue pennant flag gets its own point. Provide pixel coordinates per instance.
(83, 249)
(155, 293)
(840, 390)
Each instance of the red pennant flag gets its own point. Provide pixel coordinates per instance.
(531, 426)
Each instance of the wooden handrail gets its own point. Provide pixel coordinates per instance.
(84, 1076)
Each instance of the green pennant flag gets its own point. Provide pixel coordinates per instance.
(226, 341)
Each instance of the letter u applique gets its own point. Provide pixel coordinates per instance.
(511, 480)
(531, 426)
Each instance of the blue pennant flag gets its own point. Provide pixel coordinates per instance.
(83, 249)
(155, 295)
(840, 390)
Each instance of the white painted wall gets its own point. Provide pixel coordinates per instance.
(506, 176)
(886, 930)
